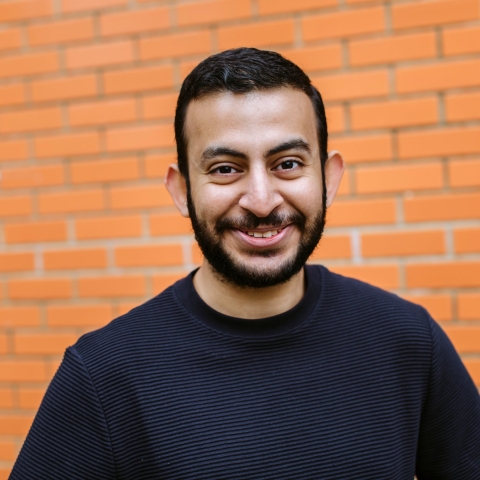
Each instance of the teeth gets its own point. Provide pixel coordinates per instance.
(268, 234)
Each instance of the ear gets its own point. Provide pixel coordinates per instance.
(333, 174)
(177, 187)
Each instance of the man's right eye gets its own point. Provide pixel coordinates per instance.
(225, 170)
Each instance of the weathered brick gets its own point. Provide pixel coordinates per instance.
(422, 14)
(15, 206)
(31, 120)
(343, 24)
(443, 275)
(71, 201)
(15, 424)
(156, 166)
(60, 32)
(30, 398)
(99, 55)
(468, 306)
(79, 315)
(464, 173)
(161, 282)
(39, 289)
(14, 317)
(350, 86)
(43, 343)
(361, 212)
(338, 246)
(123, 23)
(335, 118)
(213, 11)
(108, 227)
(138, 80)
(29, 64)
(462, 106)
(75, 259)
(10, 39)
(65, 88)
(12, 94)
(280, 32)
(393, 244)
(103, 113)
(394, 114)
(149, 256)
(460, 41)
(67, 145)
(369, 148)
(8, 450)
(37, 232)
(322, 57)
(139, 197)
(117, 286)
(19, 10)
(440, 306)
(442, 207)
(464, 339)
(175, 45)
(169, 224)
(22, 371)
(113, 170)
(383, 276)
(140, 138)
(31, 177)
(13, 150)
(398, 178)
(467, 240)
(159, 106)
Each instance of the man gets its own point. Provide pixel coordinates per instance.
(255, 366)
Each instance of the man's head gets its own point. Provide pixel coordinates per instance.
(252, 151)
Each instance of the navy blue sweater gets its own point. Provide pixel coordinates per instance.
(352, 383)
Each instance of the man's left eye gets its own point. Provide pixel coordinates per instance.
(288, 165)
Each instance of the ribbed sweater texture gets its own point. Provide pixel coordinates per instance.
(352, 383)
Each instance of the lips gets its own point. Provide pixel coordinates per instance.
(262, 237)
(264, 234)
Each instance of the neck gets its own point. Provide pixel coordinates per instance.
(247, 303)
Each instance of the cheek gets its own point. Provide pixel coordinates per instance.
(213, 201)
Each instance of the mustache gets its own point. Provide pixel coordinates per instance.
(250, 221)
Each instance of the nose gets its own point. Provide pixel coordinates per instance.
(261, 195)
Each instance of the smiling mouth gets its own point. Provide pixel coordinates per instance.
(264, 233)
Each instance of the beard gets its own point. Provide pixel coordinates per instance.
(232, 271)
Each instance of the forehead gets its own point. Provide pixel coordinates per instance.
(258, 117)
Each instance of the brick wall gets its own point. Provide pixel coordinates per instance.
(87, 95)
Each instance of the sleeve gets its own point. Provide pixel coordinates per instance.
(69, 437)
(449, 440)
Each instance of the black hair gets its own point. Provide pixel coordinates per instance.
(242, 70)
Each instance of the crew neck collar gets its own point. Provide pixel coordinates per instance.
(262, 328)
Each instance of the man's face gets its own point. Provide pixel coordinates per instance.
(255, 196)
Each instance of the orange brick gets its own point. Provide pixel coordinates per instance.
(6, 401)
(103, 113)
(138, 80)
(12, 94)
(124, 307)
(13, 150)
(149, 256)
(140, 197)
(99, 55)
(123, 23)
(335, 119)
(370, 148)
(140, 138)
(67, 145)
(43, 343)
(60, 32)
(460, 41)
(31, 177)
(422, 14)
(392, 49)
(31, 64)
(468, 306)
(383, 276)
(162, 282)
(3, 347)
(439, 142)
(420, 176)
(99, 287)
(15, 424)
(350, 86)
(159, 106)
(79, 315)
(187, 67)
(333, 247)
(467, 240)
(169, 224)
(263, 34)
(343, 24)
(323, 57)
(156, 166)
(35, 232)
(69, 6)
(439, 306)
(443, 275)
(464, 173)
(8, 451)
(15, 11)
(442, 207)
(344, 188)
(22, 371)
(394, 114)
(31, 120)
(114, 170)
(175, 45)
(462, 106)
(65, 88)
(10, 39)
(30, 398)
(197, 255)
(68, 202)
(39, 289)
(403, 243)
(16, 261)
(268, 7)
(75, 259)
(362, 212)
(213, 11)
(108, 227)
(438, 76)
(464, 339)
(19, 317)
(15, 206)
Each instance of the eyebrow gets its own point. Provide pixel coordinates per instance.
(213, 152)
(294, 144)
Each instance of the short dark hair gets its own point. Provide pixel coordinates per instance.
(242, 70)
